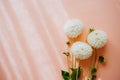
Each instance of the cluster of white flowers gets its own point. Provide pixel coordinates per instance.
(81, 50)
(97, 39)
(73, 28)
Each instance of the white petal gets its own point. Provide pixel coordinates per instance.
(73, 28)
(97, 39)
(81, 50)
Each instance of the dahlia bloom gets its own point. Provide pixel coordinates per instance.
(73, 28)
(81, 50)
(97, 39)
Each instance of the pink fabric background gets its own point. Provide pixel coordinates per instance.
(32, 38)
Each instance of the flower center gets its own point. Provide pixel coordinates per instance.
(97, 39)
(96, 33)
(82, 49)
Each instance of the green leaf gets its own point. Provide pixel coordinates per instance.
(66, 53)
(65, 75)
(94, 70)
(67, 42)
(93, 77)
(74, 73)
(91, 30)
(101, 59)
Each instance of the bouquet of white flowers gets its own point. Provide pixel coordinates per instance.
(83, 50)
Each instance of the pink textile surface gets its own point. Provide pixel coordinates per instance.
(32, 38)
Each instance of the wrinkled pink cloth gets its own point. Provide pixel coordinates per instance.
(32, 38)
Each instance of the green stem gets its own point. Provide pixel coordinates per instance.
(97, 62)
(72, 54)
(95, 57)
(68, 64)
(78, 69)
(72, 60)
(91, 63)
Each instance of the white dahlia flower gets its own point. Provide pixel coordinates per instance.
(81, 50)
(73, 28)
(97, 39)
